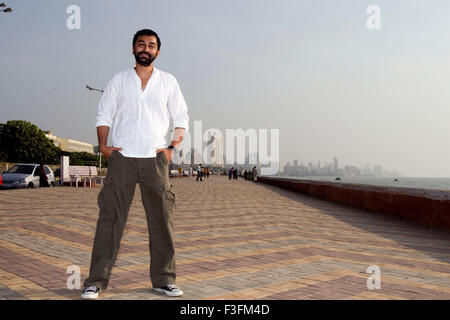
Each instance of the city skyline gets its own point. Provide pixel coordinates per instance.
(315, 71)
(214, 151)
(318, 169)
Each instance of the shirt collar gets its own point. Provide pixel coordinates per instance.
(155, 71)
(137, 80)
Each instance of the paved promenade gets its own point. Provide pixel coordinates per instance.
(234, 240)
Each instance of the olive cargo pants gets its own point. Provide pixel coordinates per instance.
(114, 201)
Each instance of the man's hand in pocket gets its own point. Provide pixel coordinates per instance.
(167, 152)
(107, 150)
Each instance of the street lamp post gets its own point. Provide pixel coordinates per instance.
(90, 88)
(97, 149)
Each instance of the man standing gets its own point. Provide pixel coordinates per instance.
(137, 104)
(199, 172)
(255, 173)
(43, 179)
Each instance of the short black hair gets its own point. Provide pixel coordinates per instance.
(146, 32)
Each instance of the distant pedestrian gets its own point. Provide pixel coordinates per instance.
(43, 180)
(235, 174)
(190, 172)
(207, 172)
(255, 174)
(199, 172)
(180, 171)
(245, 174)
(230, 173)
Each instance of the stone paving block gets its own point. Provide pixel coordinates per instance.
(265, 243)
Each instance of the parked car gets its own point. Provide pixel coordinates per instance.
(26, 176)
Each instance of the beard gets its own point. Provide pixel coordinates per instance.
(144, 59)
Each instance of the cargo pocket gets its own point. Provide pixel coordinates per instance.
(169, 197)
(104, 201)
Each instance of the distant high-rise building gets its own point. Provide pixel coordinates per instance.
(378, 170)
(195, 156)
(253, 158)
(366, 170)
(215, 150)
(335, 165)
(352, 171)
(295, 163)
(192, 155)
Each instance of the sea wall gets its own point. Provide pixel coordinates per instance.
(423, 206)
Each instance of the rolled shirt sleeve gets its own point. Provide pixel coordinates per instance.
(177, 107)
(108, 105)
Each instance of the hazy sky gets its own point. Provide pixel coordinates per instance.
(311, 69)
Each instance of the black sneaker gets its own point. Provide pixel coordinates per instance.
(90, 292)
(170, 290)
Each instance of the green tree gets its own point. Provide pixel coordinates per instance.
(3, 154)
(22, 141)
(86, 159)
(83, 159)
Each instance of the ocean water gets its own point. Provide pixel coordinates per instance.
(403, 182)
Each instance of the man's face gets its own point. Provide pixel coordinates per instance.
(145, 50)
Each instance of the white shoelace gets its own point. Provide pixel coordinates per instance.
(172, 287)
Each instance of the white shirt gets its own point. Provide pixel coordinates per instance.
(140, 119)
